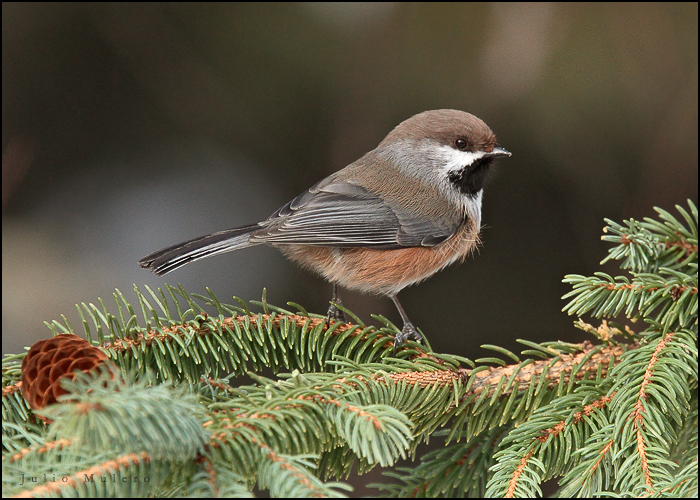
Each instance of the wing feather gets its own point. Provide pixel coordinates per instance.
(339, 214)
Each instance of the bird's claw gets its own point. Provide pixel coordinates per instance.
(335, 314)
(407, 332)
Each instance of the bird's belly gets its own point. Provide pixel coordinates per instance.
(382, 272)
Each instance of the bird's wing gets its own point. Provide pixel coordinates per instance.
(341, 214)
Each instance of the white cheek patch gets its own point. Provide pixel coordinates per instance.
(455, 160)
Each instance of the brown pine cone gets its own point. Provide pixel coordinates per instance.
(49, 361)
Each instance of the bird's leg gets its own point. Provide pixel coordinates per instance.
(333, 312)
(408, 331)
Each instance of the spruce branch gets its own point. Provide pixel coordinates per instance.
(616, 416)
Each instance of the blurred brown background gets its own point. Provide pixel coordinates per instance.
(130, 127)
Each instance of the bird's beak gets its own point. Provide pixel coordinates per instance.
(498, 152)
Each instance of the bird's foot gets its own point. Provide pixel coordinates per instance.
(407, 332)
(334, 313)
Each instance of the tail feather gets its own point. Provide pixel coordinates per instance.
(171, 258)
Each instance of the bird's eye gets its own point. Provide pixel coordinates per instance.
(461, 144)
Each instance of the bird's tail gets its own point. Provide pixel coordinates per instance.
(171, 258)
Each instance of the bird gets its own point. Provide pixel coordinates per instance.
(396, 216)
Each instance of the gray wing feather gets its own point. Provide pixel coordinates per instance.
(340, 214)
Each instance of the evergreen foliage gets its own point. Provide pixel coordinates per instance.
(618, 417)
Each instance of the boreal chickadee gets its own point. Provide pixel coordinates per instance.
(396, 216)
